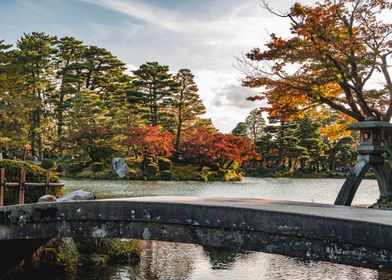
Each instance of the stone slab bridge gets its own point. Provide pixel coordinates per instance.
(348, 235)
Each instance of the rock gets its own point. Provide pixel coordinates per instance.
(119, 168)
(77, 195)
(47, 198)
(98, 260)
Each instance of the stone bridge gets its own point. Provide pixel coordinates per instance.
(348, 235)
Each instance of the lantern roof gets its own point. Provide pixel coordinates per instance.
(369, 122)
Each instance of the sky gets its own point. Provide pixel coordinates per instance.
(205, 36)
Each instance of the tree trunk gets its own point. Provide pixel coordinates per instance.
(60, 121)
(39, 140)
(32, 136)
(178, 139)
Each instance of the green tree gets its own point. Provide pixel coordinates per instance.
(91, 129)
(255, 124)
(13, 119)
(187, 103)
(69, 63)
(342, 153)
(153, 92)
(240, 129)
(309, 135)
(35, 58)
(96, 73)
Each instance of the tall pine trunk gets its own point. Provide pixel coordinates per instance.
(178, 136)
(39, 138)
(60, 121)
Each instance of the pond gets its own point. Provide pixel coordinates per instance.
(163, 260)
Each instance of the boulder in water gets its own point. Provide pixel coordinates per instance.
(119, 168)
(77, 195)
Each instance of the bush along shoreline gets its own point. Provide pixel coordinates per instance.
(154, 168)
(34, 174)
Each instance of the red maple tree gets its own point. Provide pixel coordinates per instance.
(149, 139)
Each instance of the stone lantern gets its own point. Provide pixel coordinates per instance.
(370, 155)
(371, 132)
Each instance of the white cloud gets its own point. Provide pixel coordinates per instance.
(206, 44)
(219, 94)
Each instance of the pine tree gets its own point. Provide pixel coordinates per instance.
(91, 129)
(309, 135)
(13, 119)
(255, 124)
(35, 57)
(69, 62)
(186, 102)
(240, 129)
(153, 92)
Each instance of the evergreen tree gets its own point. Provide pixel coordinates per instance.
(255, 124)
(35, 57)
(342, 154)
(69, 62)
(309, 135)
(153, 91)
(13, 119)
(186, 102)
(91, 129)
(240, 129)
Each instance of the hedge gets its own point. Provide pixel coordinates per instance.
(34, 174)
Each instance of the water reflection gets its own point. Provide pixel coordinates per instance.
(222, 258)
(162, 260)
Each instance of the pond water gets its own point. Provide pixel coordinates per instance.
(163, 260)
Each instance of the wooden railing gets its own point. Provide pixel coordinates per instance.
(22, 184)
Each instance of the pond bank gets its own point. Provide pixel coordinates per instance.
(162, 169)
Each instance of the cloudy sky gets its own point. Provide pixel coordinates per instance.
(203, 35)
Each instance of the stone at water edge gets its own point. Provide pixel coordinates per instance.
(119, 168)
(77, 195)
(47, 198)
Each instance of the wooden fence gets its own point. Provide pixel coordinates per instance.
(22, 185)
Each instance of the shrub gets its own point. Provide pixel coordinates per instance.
(149, 159)
(164, 164)
(96, 166)
(214, 166)
(166, 175)
(47, 163)
(74, 167)
(151, 170)
(263, 170)
(60, 168)
(34, 174)
(221, 172)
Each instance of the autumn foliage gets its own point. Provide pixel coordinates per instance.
(149, 139)
(334, 55)
(199, 145)
(203, 147)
